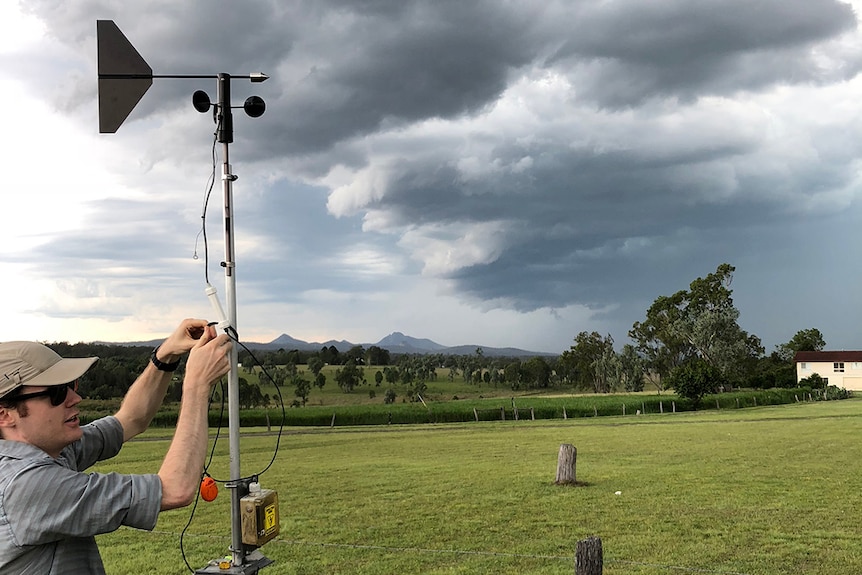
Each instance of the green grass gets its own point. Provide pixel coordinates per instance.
(766, 491)
(440, 388)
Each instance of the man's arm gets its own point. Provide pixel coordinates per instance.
(181, 469)
(147, 393)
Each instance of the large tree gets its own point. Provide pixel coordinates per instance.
(631, 368)
(717, 338)
(315, 364)
(537, 372)
(303, 388)
(587, 362)
(657, 338)
(607, 370)
(356, 354)
(376, 355)
(348, 376)
(700, 322)
(804, 340)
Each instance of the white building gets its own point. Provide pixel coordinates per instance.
(839, 368)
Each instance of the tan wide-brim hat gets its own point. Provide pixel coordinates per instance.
(31, 363)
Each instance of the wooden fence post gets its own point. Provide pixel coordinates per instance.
(588, 557)
(475, 414)
(566, 461)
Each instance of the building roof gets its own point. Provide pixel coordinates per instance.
(827, 356)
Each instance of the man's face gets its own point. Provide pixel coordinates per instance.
(43, 425)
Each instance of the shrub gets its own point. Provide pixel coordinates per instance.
(695, 379)
(814, 381)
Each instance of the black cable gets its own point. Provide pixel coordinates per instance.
(280, 400)
(209, 190)
(257, 362)
(183, 533)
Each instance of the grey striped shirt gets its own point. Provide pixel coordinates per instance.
(50, 511)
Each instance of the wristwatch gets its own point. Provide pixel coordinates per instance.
(160, 365)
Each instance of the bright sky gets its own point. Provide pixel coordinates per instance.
(504, 175)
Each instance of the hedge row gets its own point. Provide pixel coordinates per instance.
(497, 409)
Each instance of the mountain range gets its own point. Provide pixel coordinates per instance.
(396, 342)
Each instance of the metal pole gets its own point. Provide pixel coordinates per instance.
(233, 375)
(225, 136)
(245, 559)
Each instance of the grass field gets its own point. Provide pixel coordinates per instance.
(440, 388)
(772, 490)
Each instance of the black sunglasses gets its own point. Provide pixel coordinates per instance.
(56, 393)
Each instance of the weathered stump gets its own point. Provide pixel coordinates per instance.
(566, 461)
(588, 557)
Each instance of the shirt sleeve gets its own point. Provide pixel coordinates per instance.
(101, 439)
(48, 502)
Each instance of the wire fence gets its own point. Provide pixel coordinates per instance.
(463, 552)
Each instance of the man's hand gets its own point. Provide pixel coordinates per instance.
(209, 359)
(182, 340)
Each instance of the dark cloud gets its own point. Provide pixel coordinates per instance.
(395, 63)
(624, 53)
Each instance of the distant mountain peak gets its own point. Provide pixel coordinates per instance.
(398, 339)
(286, 340)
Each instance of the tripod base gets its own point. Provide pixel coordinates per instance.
(253, 562)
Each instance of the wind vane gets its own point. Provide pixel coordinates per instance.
(124, 78)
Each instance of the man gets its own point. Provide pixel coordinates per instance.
(50, 510)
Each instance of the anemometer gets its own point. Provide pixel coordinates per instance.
(124, 77)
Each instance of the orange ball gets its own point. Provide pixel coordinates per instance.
(209, 489)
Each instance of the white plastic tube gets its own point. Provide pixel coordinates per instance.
(223, 323)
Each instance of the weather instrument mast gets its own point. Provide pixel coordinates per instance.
(124, 77)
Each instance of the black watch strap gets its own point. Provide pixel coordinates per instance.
(160, 365)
